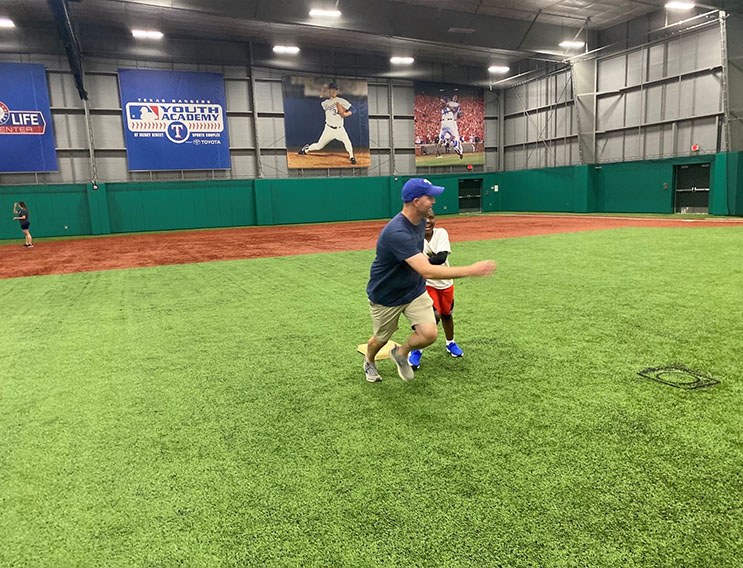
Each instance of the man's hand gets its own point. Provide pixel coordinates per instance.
(482, 268)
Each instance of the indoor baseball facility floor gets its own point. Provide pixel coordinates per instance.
(195, 398)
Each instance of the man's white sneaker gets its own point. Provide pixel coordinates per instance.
(370, 370)
(403, 367)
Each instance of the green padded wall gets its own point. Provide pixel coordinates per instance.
(731, 203)
(632, 187)
(157, 206)
(548, 189)
(51, 209)
(317, 200)
(627, 187)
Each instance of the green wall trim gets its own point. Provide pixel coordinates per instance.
(626, 187)
(100, 219)
(54, 210)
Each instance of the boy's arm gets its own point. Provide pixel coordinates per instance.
(438, 258)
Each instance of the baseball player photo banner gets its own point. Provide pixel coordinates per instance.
(326, 122)
(26, 133)
(449, 125)
(174, 120)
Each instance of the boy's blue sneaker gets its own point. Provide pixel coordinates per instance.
(414, 358)
(453, 350)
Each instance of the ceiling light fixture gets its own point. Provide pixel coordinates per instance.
(681, 6)
(572, 44)
(6, 23)
(318, 13)
(290, 49)
(498, 69)
(401, 60)
(147, 34)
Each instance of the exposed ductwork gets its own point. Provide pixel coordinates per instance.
(69, 39)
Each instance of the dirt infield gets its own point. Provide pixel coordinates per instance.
(327, 159)
(183, 247)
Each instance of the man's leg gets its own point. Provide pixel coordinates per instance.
(419, 313)
(326, 136)
(423, 336)
(384, 323)
(373, 346)
(346, 141)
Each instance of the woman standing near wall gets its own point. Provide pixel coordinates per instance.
(20, 210)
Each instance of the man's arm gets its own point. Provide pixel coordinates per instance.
(343, 112)
(422, 266)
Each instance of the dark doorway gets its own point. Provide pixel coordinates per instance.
(692, 188)
(470, 195)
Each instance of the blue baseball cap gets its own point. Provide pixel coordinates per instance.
(418, 187)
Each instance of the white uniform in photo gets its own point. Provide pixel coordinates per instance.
(449, 122)
(334, 129)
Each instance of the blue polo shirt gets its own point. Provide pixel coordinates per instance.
(391, 280)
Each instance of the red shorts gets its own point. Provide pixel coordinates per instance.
(443, 300)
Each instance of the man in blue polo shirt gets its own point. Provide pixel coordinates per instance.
(397, 280)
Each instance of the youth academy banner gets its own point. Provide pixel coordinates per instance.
(26, 134)
(174, 120)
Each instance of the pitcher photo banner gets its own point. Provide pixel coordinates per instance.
(26, 130)
(449, 125)
(326, 122)
(174, 120)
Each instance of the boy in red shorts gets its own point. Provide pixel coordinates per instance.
(437, 248)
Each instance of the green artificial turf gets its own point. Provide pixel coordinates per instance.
(216, 414)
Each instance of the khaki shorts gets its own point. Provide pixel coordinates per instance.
(385, 318)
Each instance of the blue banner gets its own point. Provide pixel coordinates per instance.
(26, 133)
(174, 120)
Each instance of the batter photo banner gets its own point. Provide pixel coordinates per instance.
(174, 120)
(26, 133)
(449, 125)
(326, 122)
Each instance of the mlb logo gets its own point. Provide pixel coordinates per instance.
(144, 112)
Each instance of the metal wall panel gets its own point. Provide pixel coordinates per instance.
(271, 132)
(269, 97)
(540, 117)
(379, 132)
(491, 132)
(103, 90)
(241, 131)
(646, 94)
(379, 99)
(237, 93)
(701, 131)
(611, 75)
(403, 132)
(112, 168)
(610, 148)
(108, 131)
(701, 50)
(403, 100)
(243, 165)
(515, 99)
(610, 112)
(706, 95)
(658, 141)
(68, 131)
(653, 100)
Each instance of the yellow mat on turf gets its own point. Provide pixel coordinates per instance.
(384, 352)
